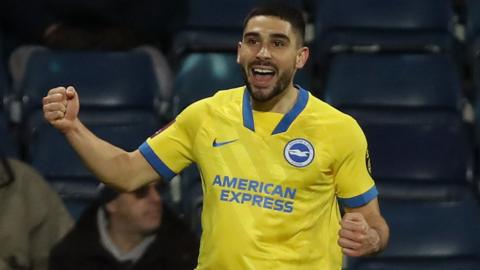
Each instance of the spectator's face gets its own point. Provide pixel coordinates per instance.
(137, 212)
(269, 55)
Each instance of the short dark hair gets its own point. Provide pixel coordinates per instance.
(282, 11)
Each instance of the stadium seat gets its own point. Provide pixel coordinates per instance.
(428, 235)
(410, 109)
(50, 153)
(105, 80)
(418, 154)
(404, 25)
(418, 264)
(207, 29)
(408, 105)
(119, 96)
(476, 86)
(200, 75)
(428, 81)
(472, 34)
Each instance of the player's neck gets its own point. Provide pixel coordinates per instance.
(281, 103)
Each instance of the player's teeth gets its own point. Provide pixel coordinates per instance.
(262, 71)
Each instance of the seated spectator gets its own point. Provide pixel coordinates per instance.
(32, 217)
(131, 230)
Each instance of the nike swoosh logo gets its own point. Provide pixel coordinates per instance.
(217, 144)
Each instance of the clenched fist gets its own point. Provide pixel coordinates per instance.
(357, 238)
(60, 108)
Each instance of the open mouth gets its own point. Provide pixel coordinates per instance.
(262, 72)
(262, 76)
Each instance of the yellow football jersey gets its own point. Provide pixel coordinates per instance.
(271, 182)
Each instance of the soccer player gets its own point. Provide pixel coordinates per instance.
(275, 161)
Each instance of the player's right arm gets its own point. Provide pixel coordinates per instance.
(112, 165)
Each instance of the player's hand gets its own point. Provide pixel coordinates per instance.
(357, 238)
(60, 108)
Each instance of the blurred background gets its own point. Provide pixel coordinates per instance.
(407, 70)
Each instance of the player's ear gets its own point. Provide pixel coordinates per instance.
(302, 56)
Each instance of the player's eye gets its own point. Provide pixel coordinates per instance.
(252, 41)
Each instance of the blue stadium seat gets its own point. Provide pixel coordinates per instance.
(418, 264)
(119, 93)
(343, 25)
(418, 154)
(218, 28)
(394, 81)
(200, 75)
(410, 109)
(472, 8)
(50, 153)
(428, 235)
(476, 89)
(105, 80)
(409, 106)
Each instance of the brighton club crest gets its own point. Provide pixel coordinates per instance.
(299, 152)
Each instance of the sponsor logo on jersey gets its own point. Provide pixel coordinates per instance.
(250, 192)
(299, 152)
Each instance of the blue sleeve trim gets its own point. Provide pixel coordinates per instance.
(155, 162)
(359, 200)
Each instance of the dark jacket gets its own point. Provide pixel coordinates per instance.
(174, 248)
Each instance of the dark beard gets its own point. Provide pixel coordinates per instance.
(280, 86)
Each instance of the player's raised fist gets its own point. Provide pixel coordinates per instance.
(356, 237)
(60, 107)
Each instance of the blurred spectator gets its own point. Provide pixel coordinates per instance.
(131, 230)
(32, 217)
(103, 24)
(114, 24)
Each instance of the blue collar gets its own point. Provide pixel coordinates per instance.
(287, 119)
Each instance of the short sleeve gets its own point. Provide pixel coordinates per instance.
(170, 149)
(354, 184)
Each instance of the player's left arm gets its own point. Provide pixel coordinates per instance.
(363, 230)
